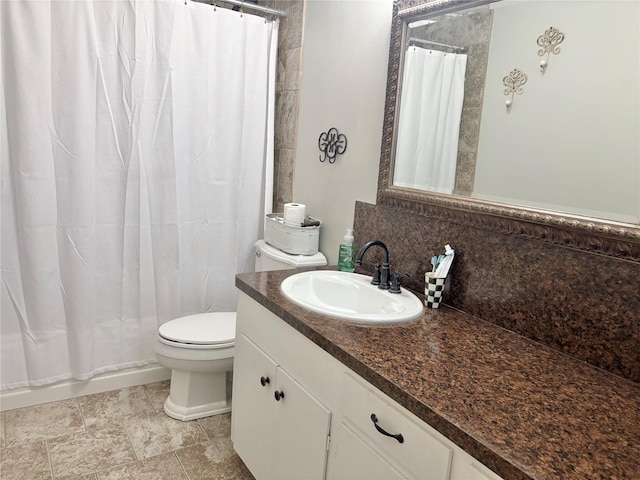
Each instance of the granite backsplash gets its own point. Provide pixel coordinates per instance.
(583, 304)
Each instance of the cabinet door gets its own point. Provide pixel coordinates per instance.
(301, 426)
(252, 407)
(353, 458)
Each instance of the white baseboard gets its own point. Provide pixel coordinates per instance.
(25, 397)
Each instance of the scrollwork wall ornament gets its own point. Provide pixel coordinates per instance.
(549, 42)
(514, 83)
(331, 144)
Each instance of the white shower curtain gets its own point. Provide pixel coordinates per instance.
(137, 164)
(429, 120)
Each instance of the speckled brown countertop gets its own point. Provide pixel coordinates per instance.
(521, 408)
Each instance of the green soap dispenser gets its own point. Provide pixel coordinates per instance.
(347, 253)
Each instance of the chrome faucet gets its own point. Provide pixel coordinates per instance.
(384, 274)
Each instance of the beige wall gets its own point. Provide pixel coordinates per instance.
(570, 142)
(344, 74)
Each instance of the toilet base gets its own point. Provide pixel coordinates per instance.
(191, 413)
(196, 395)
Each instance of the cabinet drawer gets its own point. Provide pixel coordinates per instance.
(421, 452)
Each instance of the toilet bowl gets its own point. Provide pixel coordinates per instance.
(199, 348)
(199, 351)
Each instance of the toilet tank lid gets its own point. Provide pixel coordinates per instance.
(201, 329)
(296, 261)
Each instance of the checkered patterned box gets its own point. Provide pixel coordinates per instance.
(433, 288)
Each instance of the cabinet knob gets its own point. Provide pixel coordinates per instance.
(278, 395)
(264, 381)
(397, 436)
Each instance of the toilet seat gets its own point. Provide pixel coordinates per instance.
(203, 330)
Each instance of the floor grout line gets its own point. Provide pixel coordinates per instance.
(3, 439)
(46, 444)
(181, 465)
(126, 432)
(84, 423)
(146, 394)
(203, 431)
(106, 469)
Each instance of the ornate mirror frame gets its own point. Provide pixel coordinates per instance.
(610, 238)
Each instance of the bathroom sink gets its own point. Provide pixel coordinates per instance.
(350, 296)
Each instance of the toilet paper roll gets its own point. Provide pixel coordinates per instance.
(294, 214)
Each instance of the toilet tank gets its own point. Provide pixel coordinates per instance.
(270, 258)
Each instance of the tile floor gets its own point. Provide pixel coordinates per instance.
(116, 435)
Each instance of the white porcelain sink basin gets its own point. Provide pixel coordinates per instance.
(350, 296)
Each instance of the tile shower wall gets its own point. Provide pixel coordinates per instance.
(287, 94)
(583, 304)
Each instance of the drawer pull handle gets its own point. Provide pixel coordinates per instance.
(264, 381)
(398, 436)
(279, 395)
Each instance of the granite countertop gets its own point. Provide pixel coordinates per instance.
(523, 409)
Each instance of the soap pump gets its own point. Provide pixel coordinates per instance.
(346, 255)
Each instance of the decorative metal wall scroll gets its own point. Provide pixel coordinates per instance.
(514, 82)
(331, 144)
(549, 42)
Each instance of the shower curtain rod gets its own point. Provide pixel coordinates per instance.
(429, 42)
(252, 6)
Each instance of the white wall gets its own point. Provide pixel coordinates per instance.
(344, 75)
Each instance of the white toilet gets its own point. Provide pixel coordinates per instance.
(199, 348)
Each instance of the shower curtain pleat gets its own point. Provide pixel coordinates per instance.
(137, 154)
(429, 120)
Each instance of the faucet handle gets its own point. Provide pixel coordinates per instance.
(375, 279)
(395, 283)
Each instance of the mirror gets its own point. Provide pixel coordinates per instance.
(547, 114)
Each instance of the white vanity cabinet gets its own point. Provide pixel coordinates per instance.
(280, 430)
(323, 428)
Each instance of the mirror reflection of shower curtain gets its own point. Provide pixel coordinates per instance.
(136, 145)
(429, 120)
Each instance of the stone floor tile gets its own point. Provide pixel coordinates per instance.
(215, 459)
(88, 452)
(25, 462)
(216, 426)
(42, 422)
(160, 467)
(116, 435)
(159, 433)
(115, 406)
(158, 393)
